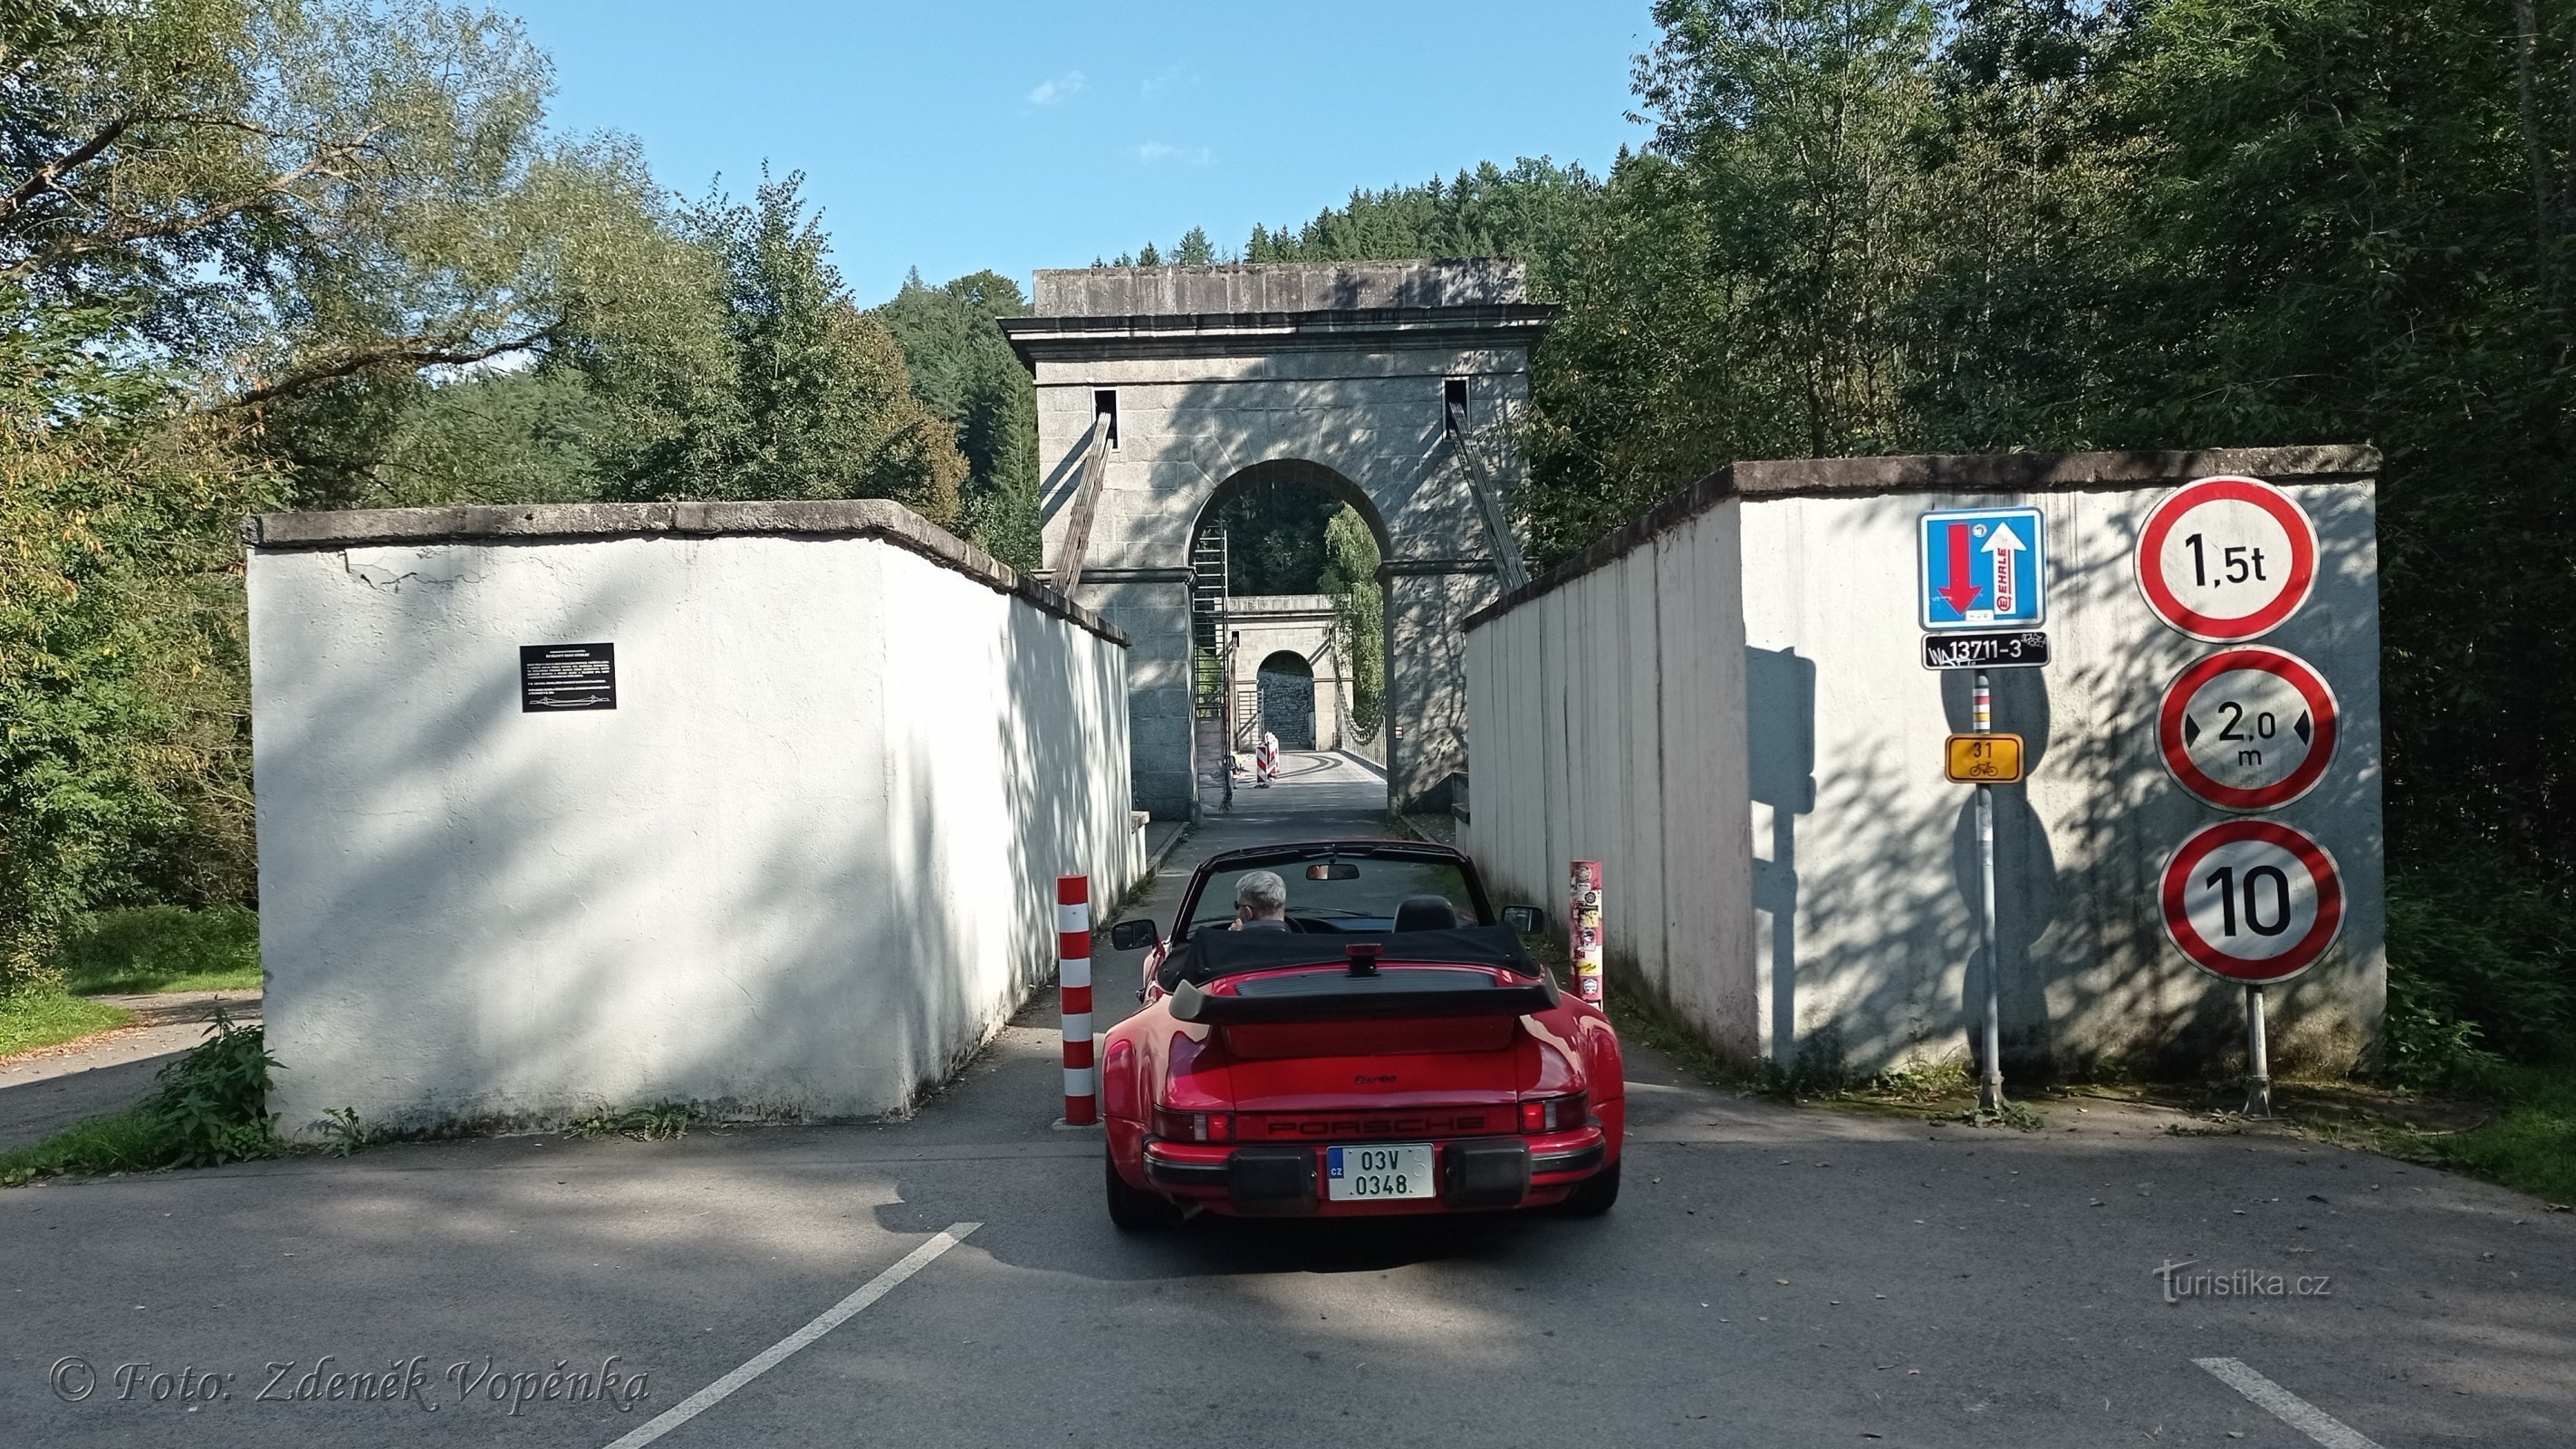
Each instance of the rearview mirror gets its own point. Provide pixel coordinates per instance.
(1525, 920)
(1133, 935)
(1333, 870)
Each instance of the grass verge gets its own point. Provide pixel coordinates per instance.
(2516, 1126)
(165, 948)
(32, 1019)
(129, 1141)
(2526, 1140)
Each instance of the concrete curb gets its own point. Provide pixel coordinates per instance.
(1163, 852)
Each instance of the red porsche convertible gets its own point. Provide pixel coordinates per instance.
(1382, 1044)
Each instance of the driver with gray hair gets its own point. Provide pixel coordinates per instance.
(1260, 902)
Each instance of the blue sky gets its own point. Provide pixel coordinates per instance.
(1015, 136)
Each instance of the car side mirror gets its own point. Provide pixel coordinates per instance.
(1525, 920)
(1133, 935)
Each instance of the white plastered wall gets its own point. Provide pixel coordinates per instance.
(1607, 718)
(800, 871)
(1758, 662)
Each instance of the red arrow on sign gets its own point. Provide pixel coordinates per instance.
(1962, 590)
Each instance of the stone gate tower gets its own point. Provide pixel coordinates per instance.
(1393, 385)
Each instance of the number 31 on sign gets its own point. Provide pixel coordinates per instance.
(1984, 759)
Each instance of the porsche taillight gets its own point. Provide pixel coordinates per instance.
(1553, 1114)
(1174, 1126)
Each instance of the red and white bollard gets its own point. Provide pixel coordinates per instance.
(1583, 927)
(1073, 968)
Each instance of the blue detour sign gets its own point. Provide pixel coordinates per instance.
(1980, 567)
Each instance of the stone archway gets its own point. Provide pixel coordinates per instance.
(1288, 703)
(1395, 381)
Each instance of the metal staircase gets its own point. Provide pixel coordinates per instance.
(1208, 635)
(1211, 662)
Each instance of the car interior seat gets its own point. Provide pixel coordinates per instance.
(1426, 913)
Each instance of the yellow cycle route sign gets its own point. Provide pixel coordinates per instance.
(1984, 759)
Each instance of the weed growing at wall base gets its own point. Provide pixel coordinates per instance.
(209, 1109)
(642, 1124)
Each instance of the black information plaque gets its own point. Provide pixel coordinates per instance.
(567, 676)
(2020, 649)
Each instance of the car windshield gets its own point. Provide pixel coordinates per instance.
(1366, 902)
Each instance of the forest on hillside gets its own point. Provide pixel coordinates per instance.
(272, 253)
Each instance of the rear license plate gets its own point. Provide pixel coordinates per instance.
(1391, 1169)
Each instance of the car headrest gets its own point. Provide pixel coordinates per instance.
(1426, 913)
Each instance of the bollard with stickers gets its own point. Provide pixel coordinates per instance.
(1583, 928)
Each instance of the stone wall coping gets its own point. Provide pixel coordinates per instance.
(1278, 286)
(1280, 603)
(1079, 337)
(488, 524)
(1953, 473)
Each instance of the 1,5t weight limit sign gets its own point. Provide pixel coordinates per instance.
(2252, 901)
(2226, 559)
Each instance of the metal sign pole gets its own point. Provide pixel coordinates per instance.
(2258, 1074)
(1990, 1093)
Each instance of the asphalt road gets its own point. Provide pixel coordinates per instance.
(1772, 1277)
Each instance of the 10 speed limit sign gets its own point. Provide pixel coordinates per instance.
(2226, 559)
(2248, 728)
(2252, 901)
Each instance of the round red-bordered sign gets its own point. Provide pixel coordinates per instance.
(2251, 901)
(2229, 734)
(2226, 559)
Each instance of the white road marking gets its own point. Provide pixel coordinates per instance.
(777, 1353)
(2285, 1406)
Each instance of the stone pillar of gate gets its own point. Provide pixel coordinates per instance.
(1340, 375)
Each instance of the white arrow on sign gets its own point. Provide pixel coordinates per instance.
(2005, 544)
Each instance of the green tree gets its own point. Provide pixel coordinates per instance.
(1274, 528)
(1868, 226)
(2351, 219)
(963, 369)
(124, 741)
(1359, 621)
(303, 205)
(526, 436)
(809, 397)
(1531, 211)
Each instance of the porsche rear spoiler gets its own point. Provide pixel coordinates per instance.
(1394, 993)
